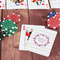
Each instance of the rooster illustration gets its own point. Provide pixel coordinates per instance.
(29, 34)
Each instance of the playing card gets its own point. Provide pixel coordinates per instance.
(2, 4)
(38, 4)
(16, 4)
(26, 31)
(55, 3)
(41, 41)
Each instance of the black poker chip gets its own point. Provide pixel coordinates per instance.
(0, 24)
(2, 34)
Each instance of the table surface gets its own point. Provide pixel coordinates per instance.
(10, 45)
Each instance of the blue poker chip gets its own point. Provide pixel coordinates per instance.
(51, 14)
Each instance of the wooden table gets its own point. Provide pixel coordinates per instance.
(10, 45)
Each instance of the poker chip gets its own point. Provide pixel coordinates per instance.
(2, 35)
(51, 14)
(9, 27)
(54, 22)
(0, 24)
(13, 16)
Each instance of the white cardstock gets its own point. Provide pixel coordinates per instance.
(15, 4)
(35, 4)
(2, 4)
(41, 41)
(23, 37)
(55, 3)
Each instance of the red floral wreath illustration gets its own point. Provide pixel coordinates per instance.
(41, 40)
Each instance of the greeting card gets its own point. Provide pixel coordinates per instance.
(41, 41)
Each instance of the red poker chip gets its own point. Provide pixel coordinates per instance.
(15, 17)
(54, 22)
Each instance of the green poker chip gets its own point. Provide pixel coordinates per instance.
(9, 27)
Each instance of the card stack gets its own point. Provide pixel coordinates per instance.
(37, 39)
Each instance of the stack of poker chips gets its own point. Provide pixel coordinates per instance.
(8, 26)
(53, 20)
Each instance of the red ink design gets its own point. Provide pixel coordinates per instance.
(0, 6)
(23, 27)
(0, 2)
(47, 5)
(43, 4)
(3, 4)
(22, 4)
(41, 41)
(25, 4)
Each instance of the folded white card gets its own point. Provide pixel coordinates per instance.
(41, 41)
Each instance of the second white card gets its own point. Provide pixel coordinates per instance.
(41, 41)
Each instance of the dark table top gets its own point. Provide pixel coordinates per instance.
(10, 45)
